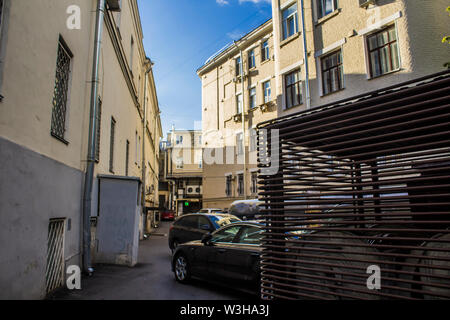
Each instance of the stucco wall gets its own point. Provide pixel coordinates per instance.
(33, 190)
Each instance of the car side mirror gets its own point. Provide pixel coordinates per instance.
(206, 239)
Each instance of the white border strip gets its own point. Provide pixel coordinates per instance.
(380, 23)
(330, 48)
(291, 67)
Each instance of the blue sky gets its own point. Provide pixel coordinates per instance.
(180, 35)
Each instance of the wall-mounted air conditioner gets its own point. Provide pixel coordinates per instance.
(193, 190)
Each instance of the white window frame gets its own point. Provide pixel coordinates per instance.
(239, 144)
(283, 24)
(239, 100)
(267, 98)
(253, 139)
(265, 50)
(237, 66)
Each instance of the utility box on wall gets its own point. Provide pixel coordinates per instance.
(117, 234)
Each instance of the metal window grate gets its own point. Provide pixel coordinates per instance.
(54, 274)
(111, 145)
(98, 119)
(361, 182)
(60, 93)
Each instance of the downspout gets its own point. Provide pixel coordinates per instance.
(243, 120)
(144, 126)
(89, 175)
(305, 55)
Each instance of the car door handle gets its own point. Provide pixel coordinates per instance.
(222, 250)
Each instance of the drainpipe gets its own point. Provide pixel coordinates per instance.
(305, 55)
(243, 120)
(144, 126)
(89, 175)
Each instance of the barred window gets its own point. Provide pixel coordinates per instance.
(127, 157)
(98, 129)
(60, 93)
(111, 145)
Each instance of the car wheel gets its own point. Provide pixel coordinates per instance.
(182, 272)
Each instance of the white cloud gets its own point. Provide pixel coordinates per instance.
(255, 1)
(235, 35)
(225, 2)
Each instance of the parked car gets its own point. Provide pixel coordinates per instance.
(229, 255)
(193, 226)
(245, 209)
(211, 210)
(168, 215)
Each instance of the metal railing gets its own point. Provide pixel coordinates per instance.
(361, 183)
(54, 273)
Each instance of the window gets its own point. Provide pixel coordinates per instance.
(203, 223)
(226, 235)
(293, 89)
(136, 148)
(111, 145)
(131, 53)
(332, 73)
(265, 51)
(250, 235)
(252, 98)
(326, 7)
(239, 144)
(238, 66)
(179, 140)
(240, 184)
(383, 52)
(61, 91)
(180, 163)
(251, 59)
(239, 103)
(267, 91)
(98, 129)
(229, 180)
(200, 163)
(290, 24)
(254, 185)
(127, 157)
(200, 140)
(189, 222)
(253, 140)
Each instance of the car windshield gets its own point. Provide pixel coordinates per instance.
(220, 221)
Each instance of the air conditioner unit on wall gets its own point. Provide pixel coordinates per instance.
(366, 3)
(193, 190)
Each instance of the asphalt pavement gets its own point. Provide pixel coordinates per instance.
(151, 279)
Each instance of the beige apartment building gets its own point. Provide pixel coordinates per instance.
(183, 171)
(352, 47)
(51, 102)
(238, 92)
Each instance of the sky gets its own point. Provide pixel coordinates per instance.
(179, 36)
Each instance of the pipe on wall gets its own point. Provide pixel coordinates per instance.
(89, 174)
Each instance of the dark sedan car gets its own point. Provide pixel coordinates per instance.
(229, 255)
(193, 226)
